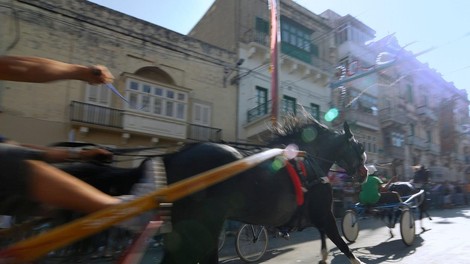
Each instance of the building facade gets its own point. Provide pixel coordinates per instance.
(404, 112)
(305, 60)
(173, 84)
(214, 84)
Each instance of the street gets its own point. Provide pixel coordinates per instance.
(445, 241)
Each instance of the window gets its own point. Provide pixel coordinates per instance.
(262, 31)
(296, 41)
(363, 102)
(201, 114)
(156, 100)
(429, 136)
(262, 100)
(409, 93)
(288, 105)
(425, 100)
(370, 144)
(346, 33)
(341, 34)
(315, 111)
(397, 139)
(98, 94)
(262, 25)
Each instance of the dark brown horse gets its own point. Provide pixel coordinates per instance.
(264, 195)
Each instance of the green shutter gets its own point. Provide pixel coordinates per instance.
(262, 25)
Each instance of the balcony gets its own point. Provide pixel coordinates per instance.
(204, 133)
(259, 116)
(96, 115)
(426, 113)
(259, 42)
(392, 117)
(363, 119)
(264, 110)
(417, 142)
(259, 111)
(106, 117)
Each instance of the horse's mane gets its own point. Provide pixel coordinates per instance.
(292, 128)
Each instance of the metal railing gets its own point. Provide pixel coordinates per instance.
(96, 115)
(264, 110)
(204, 133)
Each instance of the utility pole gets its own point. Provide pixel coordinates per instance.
(275, 40)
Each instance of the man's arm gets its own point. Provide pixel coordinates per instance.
(52, 154)
(392, 180)
(39, 70)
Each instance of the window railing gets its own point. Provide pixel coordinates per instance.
(95, 114)
(263, 110)
(204, 133)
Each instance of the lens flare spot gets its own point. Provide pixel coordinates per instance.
(331, 114)
(309, 134)
(277, 164)
(291, 151)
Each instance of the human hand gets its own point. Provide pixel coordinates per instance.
(96, 154)
(100, 75)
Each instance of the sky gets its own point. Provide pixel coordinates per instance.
(420, 24)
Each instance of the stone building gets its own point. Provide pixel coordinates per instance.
(396, 109)
(306, 60)
(174, 83)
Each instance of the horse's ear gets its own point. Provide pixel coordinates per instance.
(347, 131)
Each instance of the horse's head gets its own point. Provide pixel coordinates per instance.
(351, 156)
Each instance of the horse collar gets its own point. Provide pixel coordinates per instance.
(300, 180)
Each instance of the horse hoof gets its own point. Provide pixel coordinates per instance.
(321, 262)
(424, 229)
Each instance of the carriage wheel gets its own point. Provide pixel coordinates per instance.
(407, 227)
(350, 226)
(221, 239)
(251, 242)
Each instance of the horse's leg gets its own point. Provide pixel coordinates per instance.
(332, 232)
(324, 251)
(423, 212)
(195, 233)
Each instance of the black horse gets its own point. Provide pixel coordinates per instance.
(263, 195)
(406, 189)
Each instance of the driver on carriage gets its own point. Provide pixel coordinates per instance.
(375, 192)
(421, 177)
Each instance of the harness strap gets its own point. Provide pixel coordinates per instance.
(299, 194)
(301, 164)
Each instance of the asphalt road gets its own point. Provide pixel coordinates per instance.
(446, 241)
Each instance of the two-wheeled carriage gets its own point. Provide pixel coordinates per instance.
(392, 213)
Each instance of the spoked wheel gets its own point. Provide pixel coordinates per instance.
(350, 226)
(407, 227)
(251, 242)
(221, 239)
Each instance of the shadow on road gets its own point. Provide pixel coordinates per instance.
(272, 253)
(389, 251)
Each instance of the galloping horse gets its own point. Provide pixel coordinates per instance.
(263, 195)
(405, 189)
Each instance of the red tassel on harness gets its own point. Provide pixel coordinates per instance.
(299, 194)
